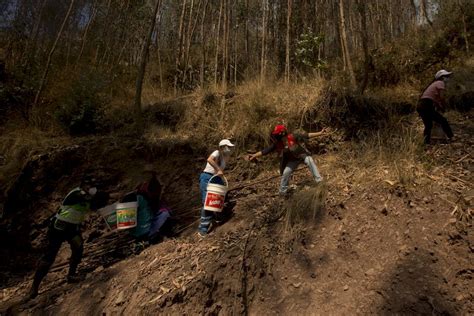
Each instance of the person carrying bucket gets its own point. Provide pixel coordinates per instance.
(291, 148)
(216, 163)
(66, 226)
(151, 211)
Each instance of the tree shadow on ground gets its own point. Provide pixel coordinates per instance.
(416, 287)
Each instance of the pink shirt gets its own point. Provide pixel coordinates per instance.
(433, 91)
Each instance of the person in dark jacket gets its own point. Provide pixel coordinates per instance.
(66, 226)
(291, 148)
(431, 99)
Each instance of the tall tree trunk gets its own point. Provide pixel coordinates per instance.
(86, 30)
(142, 68)
(287, 53)
(180, 47)
(365, 44)
(50, 55)
(203, 46)
(348, 61)
(263, 57)
(247, 30)
(424, 12)
(31, 52)
(463, 15)
(216, 59)
(225, 47)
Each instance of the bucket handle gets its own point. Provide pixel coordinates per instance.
(224, 178)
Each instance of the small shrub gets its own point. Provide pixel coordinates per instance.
(80, 109)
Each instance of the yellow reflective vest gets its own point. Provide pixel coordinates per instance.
(76, 212)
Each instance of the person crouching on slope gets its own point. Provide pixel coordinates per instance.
(66, 226)
(432, 98)
(216, 163)
(152, 213)
(292, 150)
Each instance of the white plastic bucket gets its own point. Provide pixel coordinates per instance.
(215, 196)
(126, 215)
(110, 216)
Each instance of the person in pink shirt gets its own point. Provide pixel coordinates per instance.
(431, 99)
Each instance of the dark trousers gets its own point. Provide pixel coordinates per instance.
(428, 114)
(58, 233)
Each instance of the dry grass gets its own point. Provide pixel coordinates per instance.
(390, 156)
(247, 114)
(304, 207)
(16, 148)
(165, 137)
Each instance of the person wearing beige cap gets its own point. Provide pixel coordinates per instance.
(432, 98)
(215, 165)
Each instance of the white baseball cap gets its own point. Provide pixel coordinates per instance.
(442, 73)
(226, 142)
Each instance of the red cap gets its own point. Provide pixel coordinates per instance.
(279, 129)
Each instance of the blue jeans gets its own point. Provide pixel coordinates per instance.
(206, 216)
(291, 166)
(157, 222)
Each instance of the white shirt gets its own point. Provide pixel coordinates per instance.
(220, 162)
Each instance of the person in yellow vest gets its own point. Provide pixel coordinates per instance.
(66, 226)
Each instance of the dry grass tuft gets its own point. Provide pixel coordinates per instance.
(305, 206)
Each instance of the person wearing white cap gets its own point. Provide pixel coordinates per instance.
(216, 163)
(431, 98)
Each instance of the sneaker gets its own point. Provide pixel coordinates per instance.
(139, 246)
(292, 188)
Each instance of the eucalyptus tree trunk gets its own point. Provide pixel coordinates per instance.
(287, 53)
(50, 55)
(345, 48)
(365, 45)
(143, 62)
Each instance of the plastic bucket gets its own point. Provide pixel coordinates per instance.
(110, 216)
(126, 215)
(215, 196)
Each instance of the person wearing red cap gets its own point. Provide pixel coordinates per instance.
(432, 98)
(290, 146)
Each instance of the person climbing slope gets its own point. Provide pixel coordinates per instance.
(432, 98)
(216, 163)
(291, 148)
(66, 226)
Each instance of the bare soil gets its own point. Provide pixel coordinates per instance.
(380, 245)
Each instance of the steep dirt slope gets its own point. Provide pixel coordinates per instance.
(385, 243)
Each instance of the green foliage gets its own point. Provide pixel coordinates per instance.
(307, 47)
(80, 109)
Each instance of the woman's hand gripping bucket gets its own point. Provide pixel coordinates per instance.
(215, 196)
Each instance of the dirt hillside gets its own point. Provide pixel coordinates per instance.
(387, 240)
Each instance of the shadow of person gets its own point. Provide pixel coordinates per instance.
(416, 287)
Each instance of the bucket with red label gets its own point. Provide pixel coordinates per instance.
(215, 196)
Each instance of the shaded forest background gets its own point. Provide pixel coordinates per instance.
(83, 64)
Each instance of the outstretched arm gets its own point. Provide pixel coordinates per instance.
(320, 133)
(263, 152)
